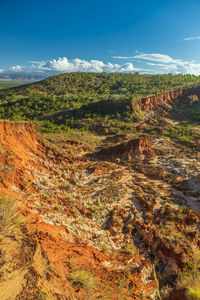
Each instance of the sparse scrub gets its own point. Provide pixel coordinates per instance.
(77, 140)
(175, 238)
(138, 115)
(165, 292)
(9, 219)
(104, 248)
(83, 279)
(130, 249)
(181, 132)
(190, 282)
(157, 282)
(46, 295)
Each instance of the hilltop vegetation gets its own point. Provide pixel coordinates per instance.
(115, 83)
(9, 84)
(82, 100)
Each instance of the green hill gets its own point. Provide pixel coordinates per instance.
(84, 99)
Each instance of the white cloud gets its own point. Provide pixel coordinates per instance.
(159, 63)
(166, 64)
(1, 70)
(123, 57)
(128, 67)
(80, 65)
(192, 38)
(192, 68)
(157, 57)
(155, 64)
(16, 68)
(172, 65)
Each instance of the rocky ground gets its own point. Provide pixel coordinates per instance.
(119, 221)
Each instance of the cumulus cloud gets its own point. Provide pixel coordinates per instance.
(149, 62)
(1, 70)
(192, 68)
(80, 65)
(192, 38)
(16, 68)
(63, 64)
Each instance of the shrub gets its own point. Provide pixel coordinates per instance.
(104, 248)
(194, 293)
(138, 115)
(189, 279)
(83, 279)
(130, 249)
(191, 283)
(9, 219)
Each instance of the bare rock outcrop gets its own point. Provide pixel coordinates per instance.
(129, 150)
(168, 98)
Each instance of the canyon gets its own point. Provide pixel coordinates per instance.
(103, 222)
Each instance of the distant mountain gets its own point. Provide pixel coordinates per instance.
(21, 77)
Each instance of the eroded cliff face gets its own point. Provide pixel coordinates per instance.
(169, 98)
(18, 144)
(153, 103)
(129, 150)
(18, 137)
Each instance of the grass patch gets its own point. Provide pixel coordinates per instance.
(130, 249)
(190, 282)
(181, 132)
(76, 139)
(83, 279)
(104, 249)
(9, 219)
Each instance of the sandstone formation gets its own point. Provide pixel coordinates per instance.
(129, 150)
(169, 98)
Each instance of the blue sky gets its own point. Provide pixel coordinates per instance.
(149, 36)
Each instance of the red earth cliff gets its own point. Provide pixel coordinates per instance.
(154, 102)
(128, 150)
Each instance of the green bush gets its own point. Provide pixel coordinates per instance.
(83, 279)
(130, 249)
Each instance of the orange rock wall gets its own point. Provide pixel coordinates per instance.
(16, 129)
(154, 102)
(18, 144)
(18, 136)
